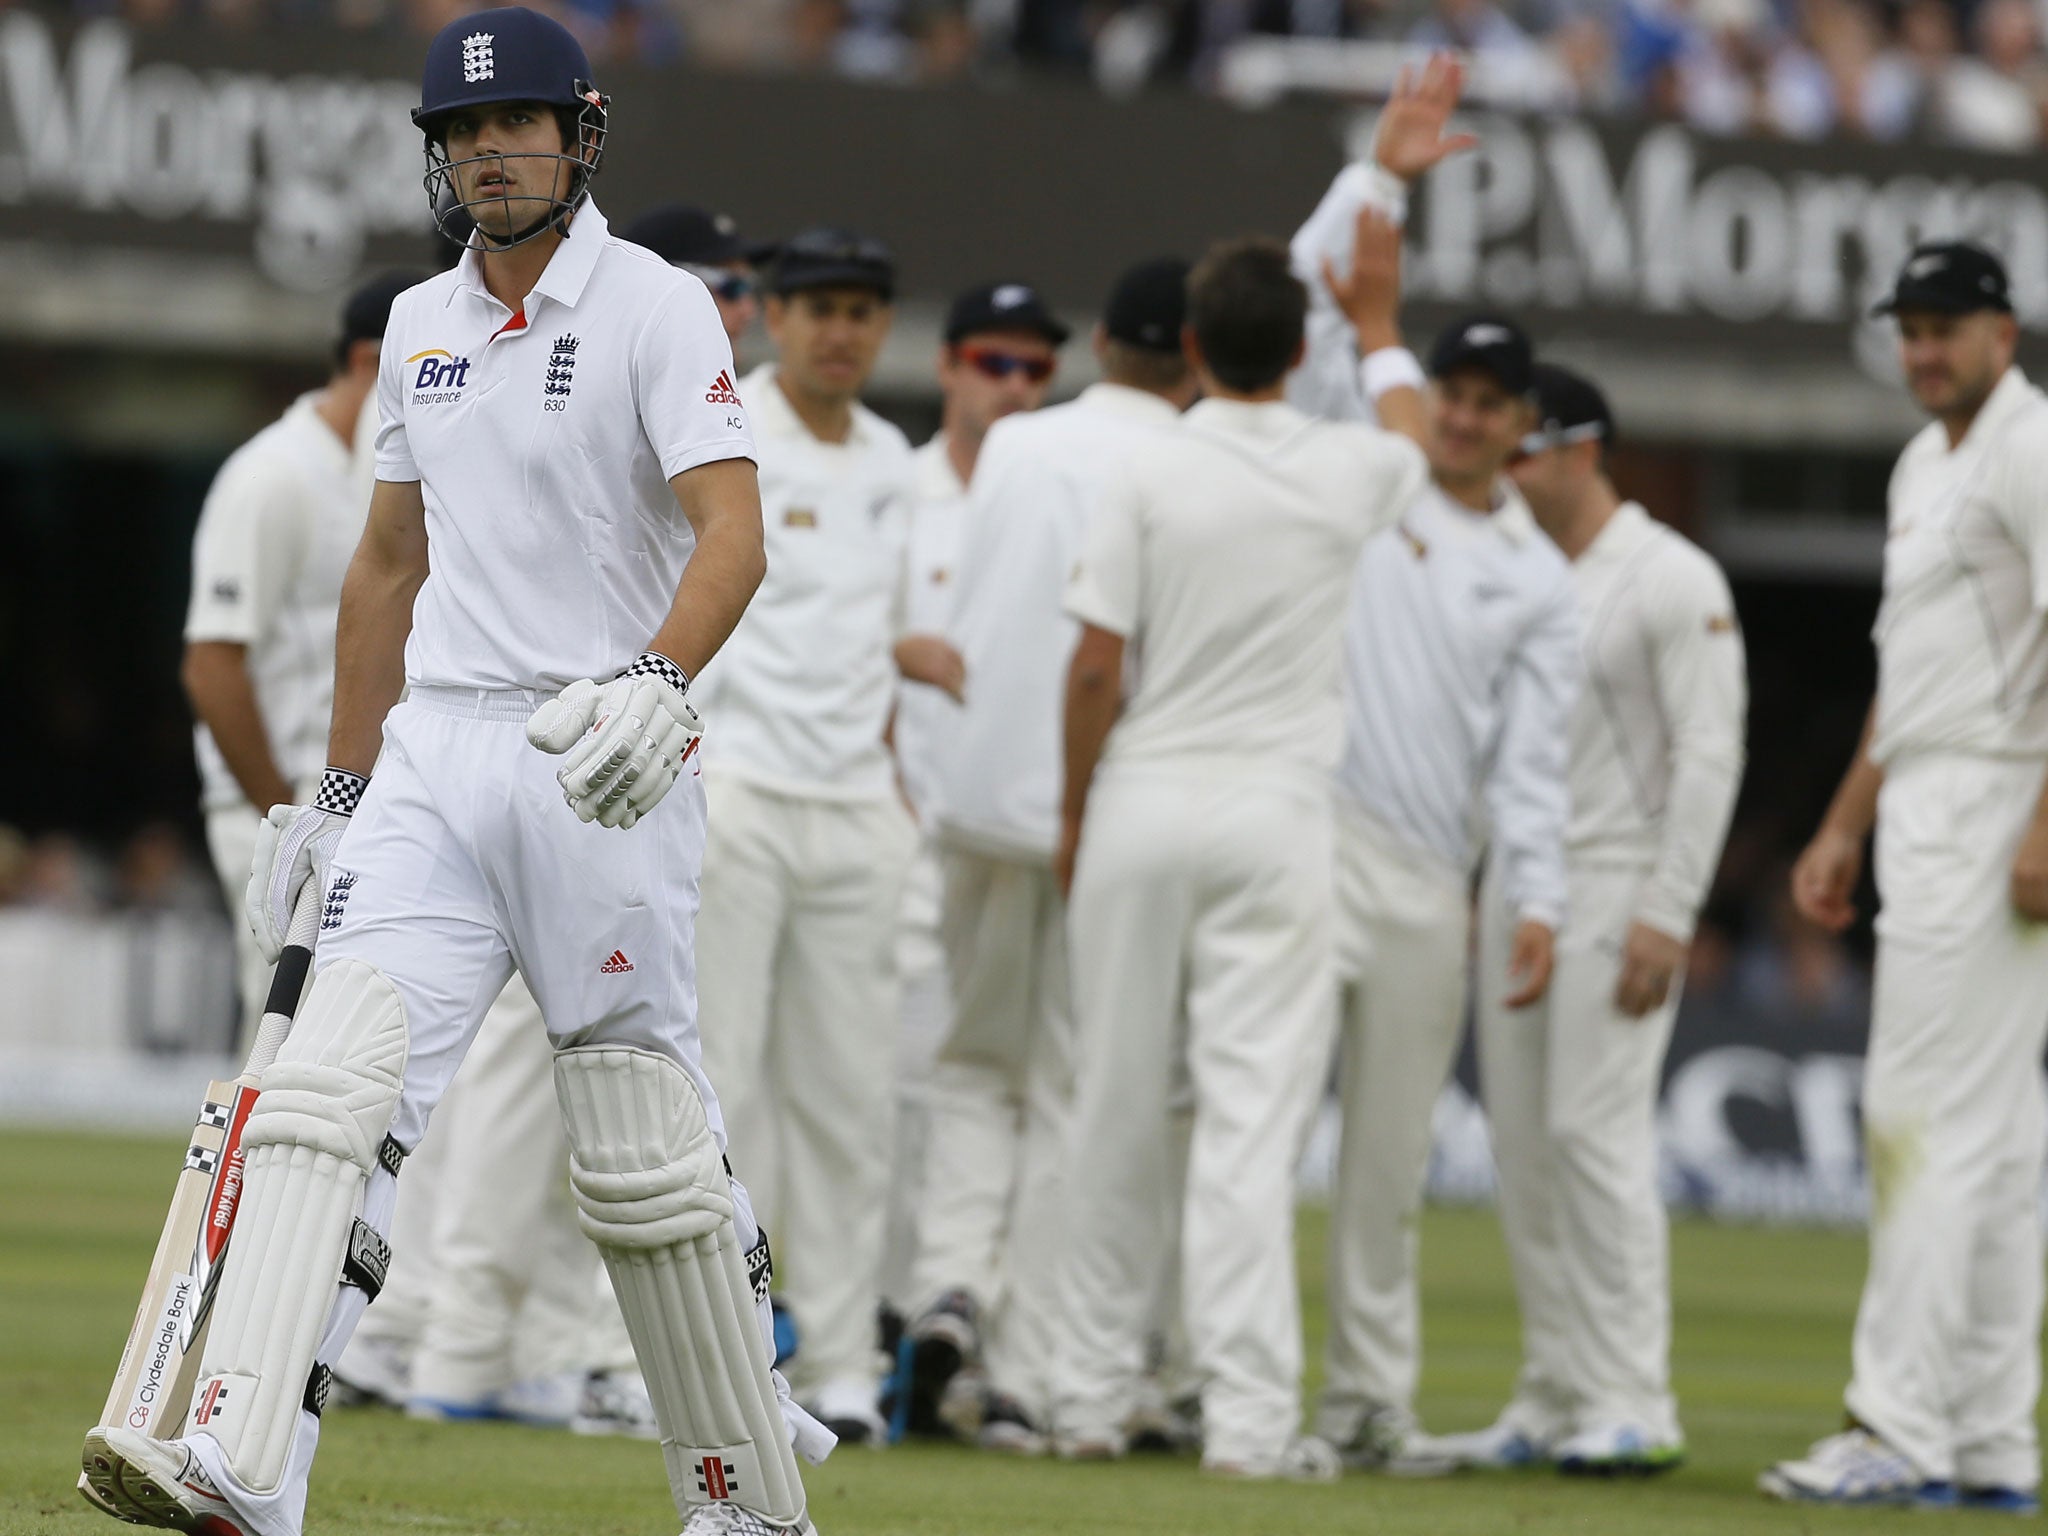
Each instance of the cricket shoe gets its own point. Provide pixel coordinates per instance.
(1007, 1429)
(1304, 1460)
(849, 1410)
(1508, 1443)
(1998, 1499)
(1387, 1439)
(731, 1520)
(1618, 1450)
(372, 1372)
(615, 1403)
(146, 1481)
(944, 1339)
(1853, 1467)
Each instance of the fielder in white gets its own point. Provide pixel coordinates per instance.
(1947, 1348)
(267, 561)
(561, 485)
(1570, 1081)
(994, 1192)
(1195, 821)
(803, 878)
(999, 352)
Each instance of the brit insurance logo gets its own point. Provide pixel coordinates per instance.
(440, 378)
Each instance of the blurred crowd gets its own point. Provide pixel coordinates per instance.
(1968, 72)
(157, 869)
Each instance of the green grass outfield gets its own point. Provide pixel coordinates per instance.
(1763, 1336)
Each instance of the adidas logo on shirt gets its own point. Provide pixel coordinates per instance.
(721, 391)
(616, 964)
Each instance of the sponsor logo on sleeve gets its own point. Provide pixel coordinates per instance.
(721, 391)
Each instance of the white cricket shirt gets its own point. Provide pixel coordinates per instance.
(798, 698)
(1657, 739)
(1035, 486)
(1461, 667)
(925, 716)
(1223, 553)
(275, 536)
(1962, 634)
(544, 443)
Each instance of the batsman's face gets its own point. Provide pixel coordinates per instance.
(505, 166)
(1477, 424)
(1952, 362)
(827, 339)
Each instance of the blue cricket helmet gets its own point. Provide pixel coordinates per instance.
(506, 55)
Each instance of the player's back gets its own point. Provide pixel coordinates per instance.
(1229, 546)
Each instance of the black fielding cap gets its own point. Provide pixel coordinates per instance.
(1492, 344)
(1003, 307)
(1569, 409)
(832, 258)
(681, 234)
(1149, 305)
(368, 309)
(1953, 277)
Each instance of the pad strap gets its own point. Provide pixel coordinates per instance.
(390, 1156)
(367, 1261)
(318, 1384)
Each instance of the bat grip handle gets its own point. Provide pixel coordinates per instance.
(288, 981)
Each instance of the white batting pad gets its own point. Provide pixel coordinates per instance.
(311, 1142)
(653, 1195)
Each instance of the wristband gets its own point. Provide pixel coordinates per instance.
(1390, 368)
(1381, 189)
(340, 792)
(654, 664)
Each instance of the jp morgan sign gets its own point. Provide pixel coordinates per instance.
(311, 166)
(1553, 214)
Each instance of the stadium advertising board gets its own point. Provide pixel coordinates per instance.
(290, 153)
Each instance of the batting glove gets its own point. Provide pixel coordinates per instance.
(627, 740)
(294, 844)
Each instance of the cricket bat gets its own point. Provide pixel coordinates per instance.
(160, 1361)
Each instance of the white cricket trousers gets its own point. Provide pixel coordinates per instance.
(1201, 902)
(515, 1286)
(796, 938)
(1570, 1086)
(1947, 1350)
(1403, 928)
(462, 861)
(994, 1187)
(925, 1013)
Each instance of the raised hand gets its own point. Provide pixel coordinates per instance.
(1369, 293)
(1411, 139)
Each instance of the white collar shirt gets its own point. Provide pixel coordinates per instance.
(798, 699)
(1657, 739)
(275, 536)
(1962, 633)
(1461, 668)
(1223, 554)
(1035, 488)
(544, 443)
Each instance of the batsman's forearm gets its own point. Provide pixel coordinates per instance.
(216, 678)
(369, 657)
(724, 571)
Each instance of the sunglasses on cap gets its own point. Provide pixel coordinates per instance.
(727, 284)
(995, 364)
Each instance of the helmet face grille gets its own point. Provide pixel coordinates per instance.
(569, 171)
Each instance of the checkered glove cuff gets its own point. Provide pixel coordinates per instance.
(340, 792)
(653, 664)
